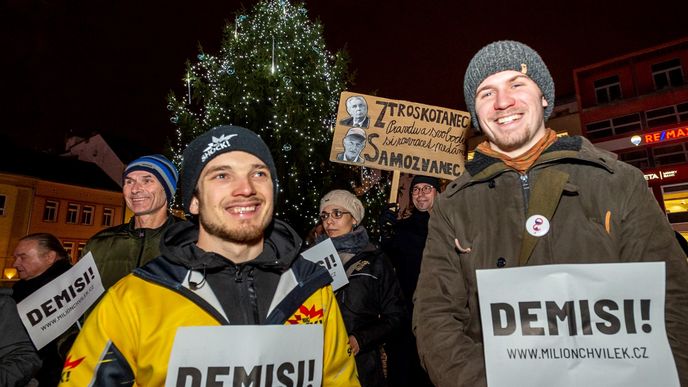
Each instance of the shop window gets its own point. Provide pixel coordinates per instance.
(676, 202)
(3, 200)
(607, 89)
(50, 211)
(667, 74)
(69, 248)
(80, 249)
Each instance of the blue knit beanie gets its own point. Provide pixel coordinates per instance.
(161, 167)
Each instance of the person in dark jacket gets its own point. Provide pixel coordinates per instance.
(39, 259)
(371, 303)
(404, 246)
(18, 358)
(149, 184)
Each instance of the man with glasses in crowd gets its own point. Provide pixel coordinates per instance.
(404, 246)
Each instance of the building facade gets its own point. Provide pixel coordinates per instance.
(68, 198)
(636, 105)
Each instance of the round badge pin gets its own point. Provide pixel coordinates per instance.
(537, 225)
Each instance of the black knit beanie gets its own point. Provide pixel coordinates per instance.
(216, 141)
(433, 181)
(501, 56)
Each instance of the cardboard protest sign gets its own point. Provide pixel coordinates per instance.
(325, 255)
(400, 136)
(52, 309)
(247, 355)
(576, 325)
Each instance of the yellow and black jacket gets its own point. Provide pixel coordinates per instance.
(128, 338)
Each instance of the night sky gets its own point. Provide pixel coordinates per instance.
(77, 66)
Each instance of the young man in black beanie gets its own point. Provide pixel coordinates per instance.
(529, 198)
(234, 264)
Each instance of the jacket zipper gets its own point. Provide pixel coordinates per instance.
(525, 186)
(142, 234)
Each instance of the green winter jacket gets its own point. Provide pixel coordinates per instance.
(600, 211)
(118, 250)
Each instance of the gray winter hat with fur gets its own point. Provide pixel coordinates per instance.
(501, 56)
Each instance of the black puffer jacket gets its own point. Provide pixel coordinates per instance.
(371, 304)
(53, 355)
(18, 357)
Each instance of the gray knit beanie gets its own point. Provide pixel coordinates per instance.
(501, 56)
(216, 141)
(345, 200)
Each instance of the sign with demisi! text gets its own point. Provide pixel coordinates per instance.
(576, 325)
(247, 355)
(52, 309)
(399, 135)
(325, 255)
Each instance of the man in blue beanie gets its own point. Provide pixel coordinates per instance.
(530, 198)
(148, 186)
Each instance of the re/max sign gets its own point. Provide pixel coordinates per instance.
(665, 135)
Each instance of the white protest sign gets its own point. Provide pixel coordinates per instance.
(576, 325)
(247, 355)
(325, 255)
(52, 309)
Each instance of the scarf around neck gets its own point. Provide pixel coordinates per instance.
(524, 161)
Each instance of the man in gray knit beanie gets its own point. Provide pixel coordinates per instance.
(531, 198)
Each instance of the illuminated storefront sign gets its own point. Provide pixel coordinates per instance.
(665, 135)
(666, 175)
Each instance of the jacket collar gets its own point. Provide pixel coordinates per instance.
(575, 149)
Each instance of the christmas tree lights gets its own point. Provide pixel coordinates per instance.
(274, 75)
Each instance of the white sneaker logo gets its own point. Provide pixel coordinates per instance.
(217, 144)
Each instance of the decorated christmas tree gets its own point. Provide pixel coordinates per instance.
(274, 76)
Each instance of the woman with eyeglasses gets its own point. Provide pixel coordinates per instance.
(371, 303)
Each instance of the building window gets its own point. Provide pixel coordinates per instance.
(615, 126)
(667, 74)
(626, 124)
(637, 157)
(50, 211)
(662, 116)
(669, 154)
(87, 215)
(607, 89)
(108, 216)
(3, 200)
(69, 248)
(72, 213)
(80, 249)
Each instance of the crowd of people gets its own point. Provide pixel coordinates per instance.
(409, 314)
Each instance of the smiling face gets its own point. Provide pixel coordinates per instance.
(143, 193)
(234, 200)
(423, 201)
(510, 109)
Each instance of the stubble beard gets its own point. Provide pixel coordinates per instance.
(244, 234)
